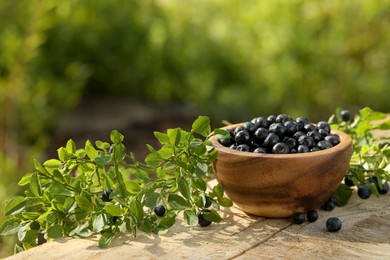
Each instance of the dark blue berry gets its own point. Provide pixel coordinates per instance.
(312, 215)
(243, 148)
(261, 122)
(302, 148)
(334, 139)
(324, 126)
(306, 140)
(271, 119)
(260, 150)
(291, 127)
(277, 128)
(345, 115)
(249, 126)
(384, 189)
(159, 210)
(282, 118)
(290, 142)
(330, 204)
(242, 137)
(333, 224)
(348, 180)
(302, 121)
(106, 195)
(280, 148)
(299, 218)
(315, 135)
(364, 192)
(309, 127)
(271, 140)
(296, 135)
(226, 141)
(201, 220)
(260, 134)
(315, 149)
(324, 144)
(208, 202)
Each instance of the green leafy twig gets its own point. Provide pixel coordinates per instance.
(63, 197)
(369, 165)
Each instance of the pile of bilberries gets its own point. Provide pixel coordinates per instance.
(280, 135)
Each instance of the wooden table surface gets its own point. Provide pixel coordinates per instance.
(365, 234)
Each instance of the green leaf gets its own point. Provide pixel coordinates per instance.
(384, 126)
(116, 137)
(184, 188)
(225, 202)
(57, 175)
(106, 239)
(15, 206)
(178, 202)
(55, 231)
(221, 132)
(39, 167)
(17, 249)
(52, 164)
(174, 136)
(141, 174)
(152, 199)
(31, 237)
(25, 179)
(152, 160)
(161, 137)
(190, 217)
(102, 145)
(160, 173)
(199, 184)
(10, 227)
(113, 210)
(168, 221)
(35, 185)
(136, 210)
(98, 223)
(212, 216)
(202, 126)
(133, 187)
(343, 194)
(103, 159)
(218, 190)
(70, 147)
(23, 231)
(92, 153)
(63, 155)
(84, 203)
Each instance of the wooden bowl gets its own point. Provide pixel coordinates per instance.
(279, 185)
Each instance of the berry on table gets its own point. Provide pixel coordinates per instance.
(299, 218)
(384, 189)
(333, 224)
(159, 210)
(364, 192)
(312, 215)
(201, 220)
(330, 204)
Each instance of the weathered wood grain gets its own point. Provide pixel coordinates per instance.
(365, 234)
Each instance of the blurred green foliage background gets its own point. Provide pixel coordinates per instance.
(231, 59)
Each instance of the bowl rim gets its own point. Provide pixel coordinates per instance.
(345, 143)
